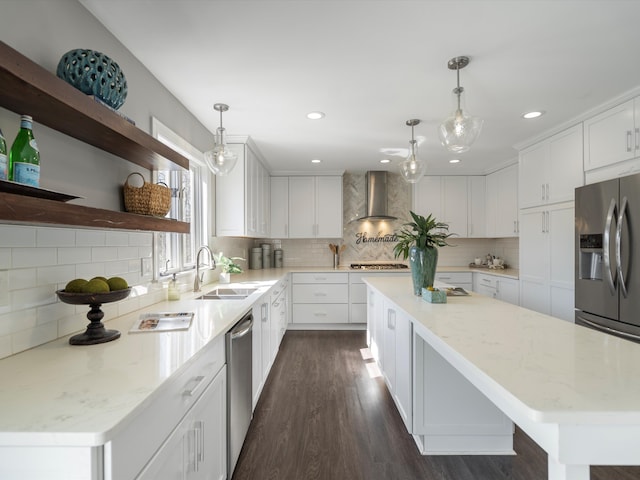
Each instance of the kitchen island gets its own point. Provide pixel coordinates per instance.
(571, 389)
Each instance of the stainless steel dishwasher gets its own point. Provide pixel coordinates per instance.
(239, 380)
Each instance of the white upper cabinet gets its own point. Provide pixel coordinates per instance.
(612, 136)
(551, 169)
(279, 214)
(315, 207)
(458, 201)
(502, 203)
(242, 196)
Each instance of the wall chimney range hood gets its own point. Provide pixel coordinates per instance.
(377, 196)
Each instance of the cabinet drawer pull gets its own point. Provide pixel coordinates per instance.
(199, 381)
(320, 314)
(628, 140)
(444, 278)
(320, 278)
(319, 294)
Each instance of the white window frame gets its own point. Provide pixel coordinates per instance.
(200, 183)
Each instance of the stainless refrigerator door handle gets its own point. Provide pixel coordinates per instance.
(621, 216)
(602, 328)
(606, 242)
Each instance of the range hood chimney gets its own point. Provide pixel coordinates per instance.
(377, 197)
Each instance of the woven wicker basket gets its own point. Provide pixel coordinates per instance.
(150, 199)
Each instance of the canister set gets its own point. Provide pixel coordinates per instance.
(263, 257)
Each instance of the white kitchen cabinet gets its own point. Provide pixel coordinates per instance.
(315, 207)
(458, 201)
(427, 196)
(502, 202)
(197, 448)
(476, 206)
(263, 346)
(243, 196)
(375, 325)
(319, 299)
(455, 279)
(279, 207)
(547, 260)
(612, 136)
(551, 169)
(496, 286)
(279, 313)
(358, 309)
(398, 360)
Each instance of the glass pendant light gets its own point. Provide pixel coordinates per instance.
(460, 130)
(412, 169)
(221, 159)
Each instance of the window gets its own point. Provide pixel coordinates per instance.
(176, 252)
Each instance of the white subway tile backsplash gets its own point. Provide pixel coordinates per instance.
(33, 257)
(16, 321)
(5, 258)
(55, 237)
(90, 238)
(17, 236)
(32, 297)
(117, 239)
(55, 274)
(127, 252)
(141, 239)
(113, 269)
(33, 337)
(74, 255)
(101, 254)
(22, 278)
(53, 312)
(90, 270)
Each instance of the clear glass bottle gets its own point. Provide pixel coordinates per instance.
(24, 156)
(4, 167)
(173, 292)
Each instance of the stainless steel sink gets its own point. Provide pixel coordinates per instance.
(227, 293)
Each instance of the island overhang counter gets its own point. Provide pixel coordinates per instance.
(573, 390)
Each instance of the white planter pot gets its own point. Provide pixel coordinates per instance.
(224, 278)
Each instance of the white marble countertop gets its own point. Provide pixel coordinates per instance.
(77, 395)
(551, 370)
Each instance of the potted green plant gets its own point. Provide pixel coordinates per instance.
(419, 241)
(228, 266)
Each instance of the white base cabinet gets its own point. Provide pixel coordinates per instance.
(197, 448)
(264, 345)
(498, 287)
(319, 299)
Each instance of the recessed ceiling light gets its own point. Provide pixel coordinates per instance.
(534, 114)
(315, 115)
(316, 160)
(454, 160)
(385, 160)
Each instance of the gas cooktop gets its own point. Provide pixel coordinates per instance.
(378, 266)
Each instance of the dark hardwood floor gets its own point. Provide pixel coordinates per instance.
(322, 416)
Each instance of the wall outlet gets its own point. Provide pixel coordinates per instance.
(4, 288)
(145, 267)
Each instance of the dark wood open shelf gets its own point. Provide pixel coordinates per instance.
(27, 88)
(22, 209)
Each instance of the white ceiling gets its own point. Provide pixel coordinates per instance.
(372, 65)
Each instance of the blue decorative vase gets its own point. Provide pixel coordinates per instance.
(95, 74)
(423, 262)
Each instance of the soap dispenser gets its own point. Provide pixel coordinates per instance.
(174, 291)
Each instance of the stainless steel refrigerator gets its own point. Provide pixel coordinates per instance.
(608, 256)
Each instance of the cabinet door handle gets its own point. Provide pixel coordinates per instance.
(199, 442)
(628, 140)
(542, 218)
(637, 139)
(286, 229)
(515, 226)
(546, 191)
(199, 381)
(391, 324)
(542, 197)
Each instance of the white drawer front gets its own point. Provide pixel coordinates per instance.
(454, 278)
(358, 313)
(145, 432)
(329, 277)
(490, 281)
(358, 293)
(320, 313)
(322, 293)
